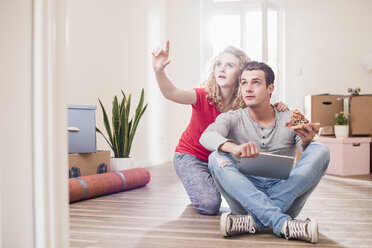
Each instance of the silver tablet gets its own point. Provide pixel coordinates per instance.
(267, 165)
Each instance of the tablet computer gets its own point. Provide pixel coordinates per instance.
(267, 165)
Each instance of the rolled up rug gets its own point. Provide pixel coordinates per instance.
(85, 187)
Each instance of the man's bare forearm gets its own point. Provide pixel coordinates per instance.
(227, 147)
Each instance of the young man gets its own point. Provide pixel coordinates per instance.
(259, 202)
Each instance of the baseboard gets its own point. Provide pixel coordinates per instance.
(153, 162)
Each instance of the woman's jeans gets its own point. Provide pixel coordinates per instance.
(270, 201)
(198, 182)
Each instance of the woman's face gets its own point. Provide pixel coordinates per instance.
(226, 70)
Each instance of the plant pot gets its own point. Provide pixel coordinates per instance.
(118, 164)
(342, 131)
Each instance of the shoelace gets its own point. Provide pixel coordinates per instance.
(242, 224)
(297, 230)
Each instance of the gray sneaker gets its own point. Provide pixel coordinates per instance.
(231, 225)
(306, 230)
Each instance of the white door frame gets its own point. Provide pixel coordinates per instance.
(33, 144)
(49, 118)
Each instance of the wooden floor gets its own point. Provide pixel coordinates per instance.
(159, 215)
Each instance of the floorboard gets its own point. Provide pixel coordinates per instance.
(160, 215)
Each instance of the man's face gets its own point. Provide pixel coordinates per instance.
(253, 88)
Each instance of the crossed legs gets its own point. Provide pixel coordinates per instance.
(269, 202)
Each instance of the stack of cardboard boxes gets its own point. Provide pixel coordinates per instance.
(83, 158)
(360, 108)
(322, 109)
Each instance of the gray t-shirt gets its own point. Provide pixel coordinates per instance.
(237, 126)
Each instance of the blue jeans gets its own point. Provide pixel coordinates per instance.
(198, 182)
(270, 201)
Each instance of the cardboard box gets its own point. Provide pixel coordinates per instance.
(83, 164)
(360, 110)
(349, 156)
(370, 159)
(322, 108)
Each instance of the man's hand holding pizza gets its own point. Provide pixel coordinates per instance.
(302, 127)
(307, 133)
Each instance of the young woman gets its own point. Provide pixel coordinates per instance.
(218, 94)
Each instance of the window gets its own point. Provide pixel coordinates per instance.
(252, 25)
(224, 29)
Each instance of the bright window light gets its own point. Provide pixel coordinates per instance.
(254, 34)
(272, 44)
(252, 25)
(224, 31)
(272, 39)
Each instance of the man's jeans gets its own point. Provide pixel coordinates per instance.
(270, 201)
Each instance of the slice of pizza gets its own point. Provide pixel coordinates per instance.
(297, 120)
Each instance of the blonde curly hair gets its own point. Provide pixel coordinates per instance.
(213, 89)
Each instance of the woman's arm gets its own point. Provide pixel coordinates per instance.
(160, 59)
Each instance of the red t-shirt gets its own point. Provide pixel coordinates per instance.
(203, 114)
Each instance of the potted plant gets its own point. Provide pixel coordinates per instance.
(122, 129)
(341, 125)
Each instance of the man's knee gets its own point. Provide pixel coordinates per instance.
(217, 161)
(322, 154)
(211, 160)
(212, 156)
(323, 150)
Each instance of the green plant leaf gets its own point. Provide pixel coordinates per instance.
(123, 101)
(127, 107)
(128, 146)
(115, 117)
(135, 125)
(108, 142)
(115, 147)
(137, 117)
(140, 103)
(123, 127)
(121, 133)
(126, 127)
(106, 122)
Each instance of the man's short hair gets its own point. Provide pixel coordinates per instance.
(254, 65)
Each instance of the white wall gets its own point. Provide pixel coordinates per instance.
(109, 49)
(184, 69)
(16, 104)
(326, 39)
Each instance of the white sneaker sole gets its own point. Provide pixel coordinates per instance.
(223, 222)
(314, 230)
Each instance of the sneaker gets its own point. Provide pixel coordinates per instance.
(231, 225)
(306, 230)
